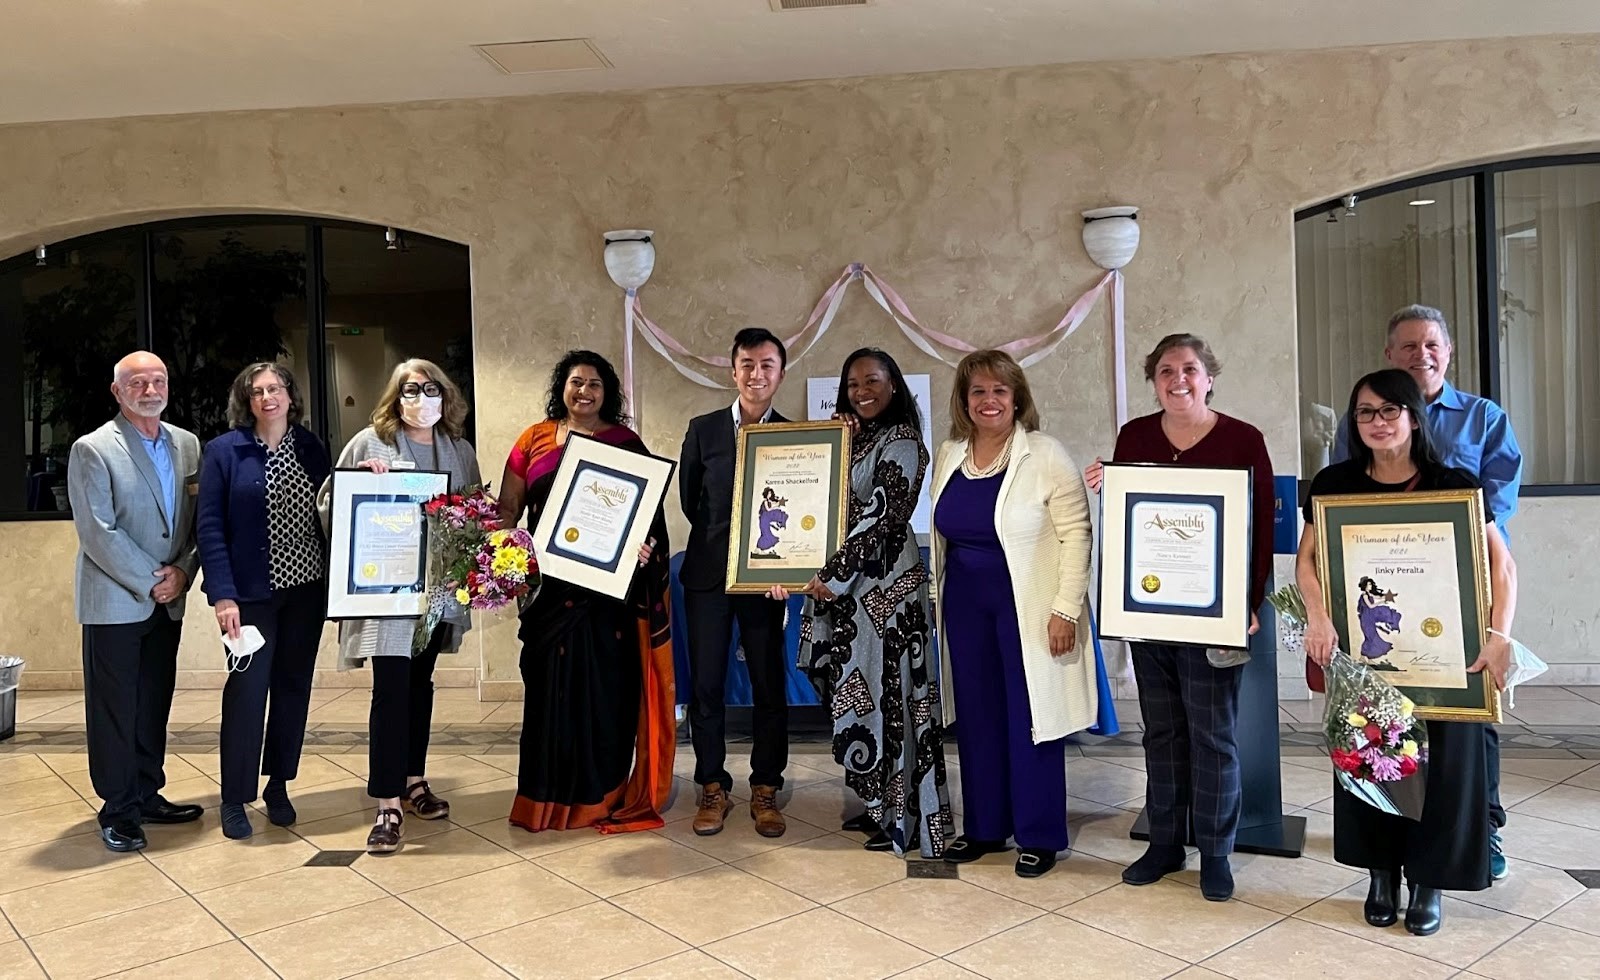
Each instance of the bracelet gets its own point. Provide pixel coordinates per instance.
(1061, 615)
(1503, 636)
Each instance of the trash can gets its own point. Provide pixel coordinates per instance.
(10, 674)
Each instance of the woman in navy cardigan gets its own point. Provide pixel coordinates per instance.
(263, 553)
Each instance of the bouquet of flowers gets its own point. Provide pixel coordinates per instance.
(1378, 746)
(473, 563)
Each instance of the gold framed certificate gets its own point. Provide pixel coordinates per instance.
(1175, 554)
(378, 542)
(1405, 577)
(789, 507)
(598, 514)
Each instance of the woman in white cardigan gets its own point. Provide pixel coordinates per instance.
(1011, 540)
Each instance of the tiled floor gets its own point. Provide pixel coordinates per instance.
(472, 897)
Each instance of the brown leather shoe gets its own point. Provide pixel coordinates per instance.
(764, 811)
(714, 807)
(386, 832)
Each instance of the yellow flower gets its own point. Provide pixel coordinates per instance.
(1408, 748)
(498, 538)
(464, 597)
(509, 560)
(1406, 706)
(1356, 720)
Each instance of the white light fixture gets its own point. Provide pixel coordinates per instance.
(630, 257)
(392, 237)
(1422, 202)
(38, 255)
(1111, 235)
(1350, 205)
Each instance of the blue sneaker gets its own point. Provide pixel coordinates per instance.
(1497, 857)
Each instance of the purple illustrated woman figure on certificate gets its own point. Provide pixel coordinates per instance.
(1380, 621)
(770, 519)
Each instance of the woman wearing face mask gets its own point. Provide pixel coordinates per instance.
(865, 634)
(417, 425)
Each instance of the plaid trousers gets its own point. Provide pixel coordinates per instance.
(1191, 756)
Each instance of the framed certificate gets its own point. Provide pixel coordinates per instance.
(378, 542)
(1405, 577)
(789, 512)
(598, 514)
(1175, 554)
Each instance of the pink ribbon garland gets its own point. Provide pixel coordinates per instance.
(1027, 350)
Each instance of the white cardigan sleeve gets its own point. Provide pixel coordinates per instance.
(1069, 512)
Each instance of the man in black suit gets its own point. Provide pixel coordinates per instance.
(705, 484)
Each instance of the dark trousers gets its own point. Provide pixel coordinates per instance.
(290, 620)
(129, 671)
(1009, 785)
(1491, 759)
(711, 616)
(401, 718)
(1192, 760)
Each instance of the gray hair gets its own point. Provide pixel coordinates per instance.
(1416, 311)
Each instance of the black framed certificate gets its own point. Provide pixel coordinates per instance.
(1405, 577)
(1175, 554)
(789, 513)
(598, 514)
(378, 542)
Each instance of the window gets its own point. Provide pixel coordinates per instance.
(210, 296)
(1532, 343)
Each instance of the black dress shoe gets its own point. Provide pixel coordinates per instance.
(861, 823)
(159, 810)
(1216, 878)
(1158, 861)
(280, 812)
(964, 849)
(1425, 914)
(1383, 900)
(123, 837)
(879, 842)
(1032, 862)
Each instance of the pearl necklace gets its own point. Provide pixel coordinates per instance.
(997, 465)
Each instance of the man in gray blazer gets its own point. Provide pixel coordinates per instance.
(132, 483)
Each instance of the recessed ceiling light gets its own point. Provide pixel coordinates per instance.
(529, 57)
(1419, 202)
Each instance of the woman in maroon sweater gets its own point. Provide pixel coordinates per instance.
(1189, 705)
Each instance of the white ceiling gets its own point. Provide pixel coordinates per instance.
(67, 59)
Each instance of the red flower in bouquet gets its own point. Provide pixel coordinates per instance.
(1346, 760)
(473, 562)
(1373, 733)
(1408, 766)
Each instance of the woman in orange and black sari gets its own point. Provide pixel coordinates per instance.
(598, 731)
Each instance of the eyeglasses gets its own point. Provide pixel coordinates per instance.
(270, 391)
(140, 384)
(1388, 413)
(411, 390)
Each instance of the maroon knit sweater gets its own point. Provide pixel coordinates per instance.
(1230, 442)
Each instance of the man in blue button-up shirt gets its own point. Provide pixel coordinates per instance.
(1473, 434)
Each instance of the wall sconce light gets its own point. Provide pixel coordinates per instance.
(630, 257)
(1111, 235)
(1350, 205)
(39, 255)
(392, 237)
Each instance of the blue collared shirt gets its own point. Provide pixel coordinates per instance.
(1473, 434)
(160, 451)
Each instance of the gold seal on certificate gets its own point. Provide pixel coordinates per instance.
(787, 476)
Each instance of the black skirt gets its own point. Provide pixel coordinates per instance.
(1449, 847)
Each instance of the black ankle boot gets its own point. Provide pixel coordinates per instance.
(1383, 899)
(1425, 914)
(1158, 860)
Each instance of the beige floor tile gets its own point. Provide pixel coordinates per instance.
(475, 804)
(1319, 835)
(1588, 779)
(1284, 885)
(490, 901)
(568, 945)
(1549, 770)
(1531, 712)
(543, 844)
(821, 804)
(627, 862)
(143, 936)
(232, 960)
(451, 774)
(339, 944)
(738, 839)
(1544, 951)
(1303, 787)
(40, 864)
(1201, 973)
(1171, 917)
(1103, 782)
(690, 965)
(458, 962)
(938, 915)
(122, 888)
(505, 760)
(47, 823)
(1075, 877)
(1582, 913)
(1469, 931)
(1532, 891)
(712, 904)
(22, 767)
(683, 800)
(229, 861)
(17, 962)
(938, 970)
(30, 794)
(346, 710)
(847, 949)
(1515, 789)
(826, 869)
(1564, 804)
(7, 933)
(1059, 948)
(260, 904)
(62, 763)
(330, 799)
(1546, 842)
(430, 860)
(316, 771)
(1104, 834)
(348, 831)
(1294, 948)
(207, 761)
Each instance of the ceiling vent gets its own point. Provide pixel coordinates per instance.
(782, 5)
(531, 57)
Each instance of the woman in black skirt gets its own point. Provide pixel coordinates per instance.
(1448, 849)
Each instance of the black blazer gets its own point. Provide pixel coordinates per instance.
(705, 488)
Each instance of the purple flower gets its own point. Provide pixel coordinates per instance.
(1385, 768)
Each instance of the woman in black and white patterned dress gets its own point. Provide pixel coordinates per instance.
(264, 558)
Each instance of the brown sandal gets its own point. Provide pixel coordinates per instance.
(386, 832)
(421, 801)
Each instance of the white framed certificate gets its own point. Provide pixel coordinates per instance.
(378, 542)
(598, 514)
(1175, 554)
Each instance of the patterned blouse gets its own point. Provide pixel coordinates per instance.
(294, 537)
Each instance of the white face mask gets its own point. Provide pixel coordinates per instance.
(423, 413)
